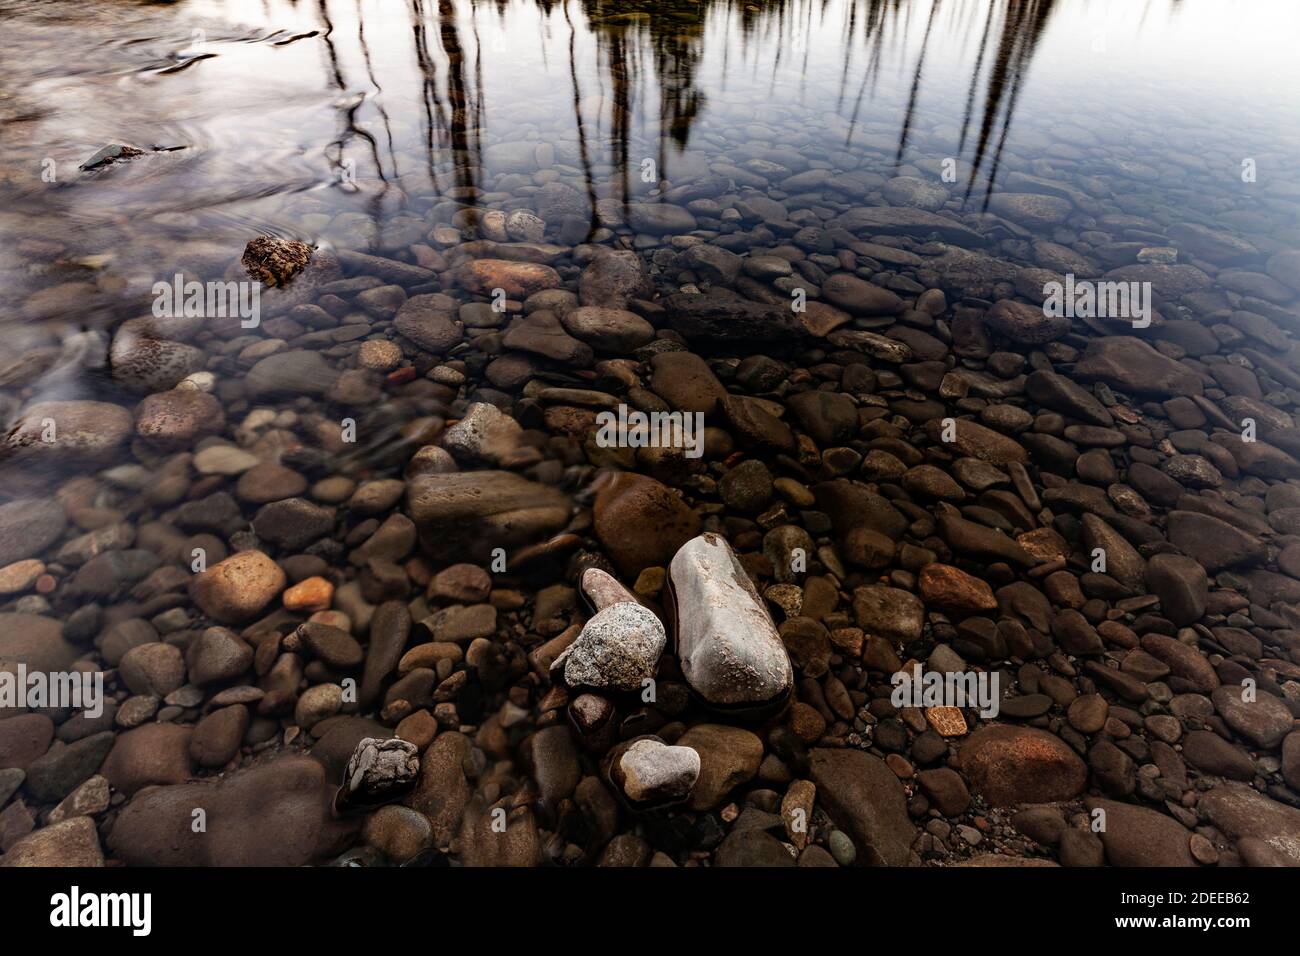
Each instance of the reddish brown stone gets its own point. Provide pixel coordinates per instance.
(954, 590)
(518, 279)
(642, 523)
(1012, 765)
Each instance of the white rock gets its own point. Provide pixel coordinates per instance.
(730, 651)
(653, 772)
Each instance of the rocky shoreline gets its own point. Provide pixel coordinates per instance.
(384, 515)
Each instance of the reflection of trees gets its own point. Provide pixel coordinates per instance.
(613, 39)
(374, 84)
(663, 41)
(660, 45)
(877, 16)
(1008, 36)
(351, 128)
(1022, 25)
(453, 116)
(584, 155)
(672, 35)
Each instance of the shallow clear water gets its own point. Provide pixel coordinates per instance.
(327, 120)
(1065, 135)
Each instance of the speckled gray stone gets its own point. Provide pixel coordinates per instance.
(618, 648)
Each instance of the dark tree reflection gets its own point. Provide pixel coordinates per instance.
(649, 57)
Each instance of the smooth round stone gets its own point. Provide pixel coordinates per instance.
(28, 526)
(1029, 705)
(603, 589)
(747, 488)
(218, 655)
(20, 576)
(24, 738)
(766, 268)
(338, 488)
(640, 522)
(842, 848)
(156, 669)
(224, 460)
(266, 482)
(608, 330)
(317, 703)
(1025, 324)
(238, 588)
(1164, 727)
(653, 772)
(1087, 713)
(85, 433)
(659, 218)
(1263, 721)
(399, 832)
(1031, 210)
(217, 737)
(729, 757)
(859, 296)
(915, 192)
(794, 492)
(176, 419)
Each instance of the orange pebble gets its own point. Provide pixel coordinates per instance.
(312, 594)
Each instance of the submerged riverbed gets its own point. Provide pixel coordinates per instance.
(968, 336)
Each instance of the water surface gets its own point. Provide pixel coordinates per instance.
(331, 120)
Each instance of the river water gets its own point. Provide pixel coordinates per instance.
(334, 120)
(952, 152)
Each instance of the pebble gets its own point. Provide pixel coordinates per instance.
(651, 773)
(72, 842)
(379, 355)
(310, 595)
(865, 799)
(216, 656)
(1013, 765)
(731, 653)
(276, 814)
(217, 736)
(224, 460)
(154, 668)
(20, 576)
(238, 588)
(618, 648)
(728, 756)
